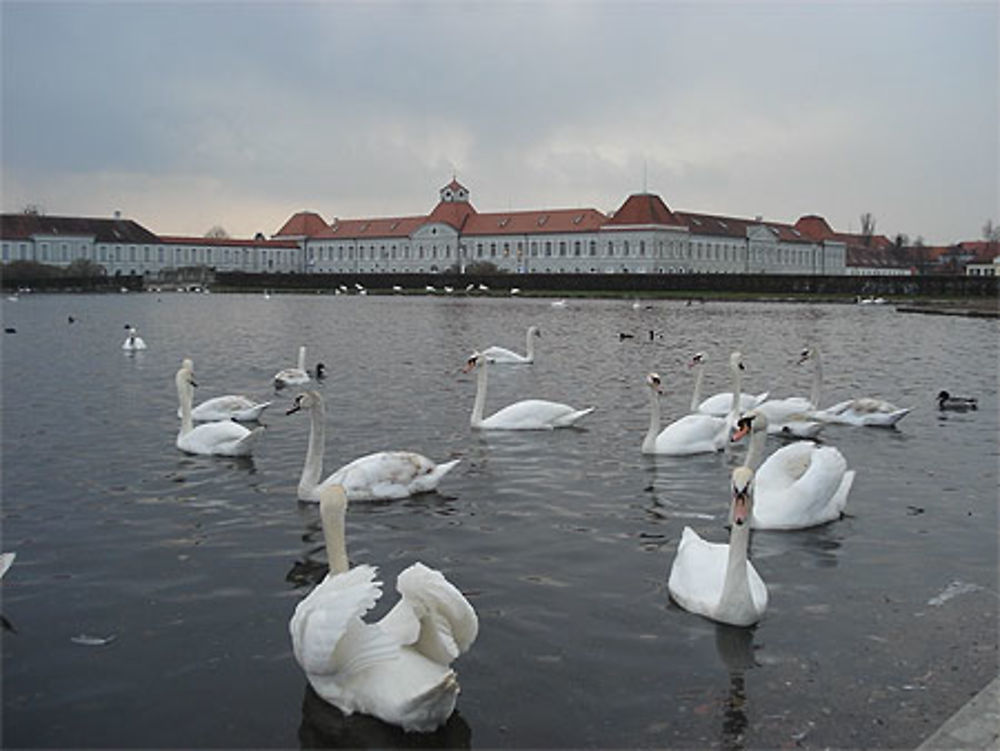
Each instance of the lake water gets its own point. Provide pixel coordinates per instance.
(152, 590)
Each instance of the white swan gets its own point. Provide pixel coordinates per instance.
(529, 414)
(793, 415)
(382, 476)
(229, 407)
(226, 438)
(696, 433)
(863, 411)
(504, 356)
(397, 669)
(720, 404)
(133, 342)
(691, 434)
(717, 580)
(800, 485)
(298, 375)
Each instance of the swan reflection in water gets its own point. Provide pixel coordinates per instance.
(735, 647)
(325, 726)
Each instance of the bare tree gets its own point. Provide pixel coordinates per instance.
(991, 234)
(217, 233)
(867, 227)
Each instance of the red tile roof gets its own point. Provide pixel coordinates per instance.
(304, 223)
(535, 222)
(383, 227)
(452, 213)
(731, 226)
(642, 209)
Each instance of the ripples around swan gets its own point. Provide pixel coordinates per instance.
(561, 540)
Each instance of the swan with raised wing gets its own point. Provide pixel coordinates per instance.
(798, 486)
(717, 580)
(720, 404)
(397, 669)
(381, 476)
(504, 356)
(225, 438)
(528, 414)
(861, 412)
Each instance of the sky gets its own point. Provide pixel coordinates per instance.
(187, 115)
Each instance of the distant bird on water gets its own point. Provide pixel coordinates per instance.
(956, 403)
(133, 341)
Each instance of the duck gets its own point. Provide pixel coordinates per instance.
(397, 669)
(381, 476)
(691, 434)
(956, 403)
(528, 414)
(504, 356)
(858, 412)
(228, 407)
(800, 485)
(224, 438)
(298, 375)
(717, 580)
(720, 404)
(133, 342)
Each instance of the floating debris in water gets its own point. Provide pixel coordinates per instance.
(954, 589)
(93, 641)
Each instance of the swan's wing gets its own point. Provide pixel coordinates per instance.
(534, 414)
(388, 475)
(225, 437)
(781, 410)
(6, 559)
(432, 615)
(328, 635)
(503, 355)
(799, 486)
(698, 573)
(693, 433)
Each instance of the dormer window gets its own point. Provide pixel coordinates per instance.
(543, 219)
(503, 222)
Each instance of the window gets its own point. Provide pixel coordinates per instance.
(625, 248)
(593, 247)
(642, 247)
(534, 249)
(562, 247)
(576, 247)
(611, 248)
(493, 250)
(548, 248)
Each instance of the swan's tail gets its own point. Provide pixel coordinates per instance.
(426, 483)
(896, 416)
(245, 445)
(571, 418)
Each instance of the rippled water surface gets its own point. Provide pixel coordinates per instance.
(152, 590)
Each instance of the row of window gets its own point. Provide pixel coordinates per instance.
(241, 257)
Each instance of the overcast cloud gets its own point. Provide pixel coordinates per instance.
(186, 115)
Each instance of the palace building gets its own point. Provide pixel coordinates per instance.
(642, 237)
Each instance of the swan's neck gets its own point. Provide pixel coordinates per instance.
(480, 404)
(529, 345)
(817, 384)
(755, 453)
(649, 442)
(736, 588)
(185, 396)
(737, 383)
(332, 511)
(696, 396)
(312, 470)
(302, 358)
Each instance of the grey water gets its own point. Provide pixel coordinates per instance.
(149, 602)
